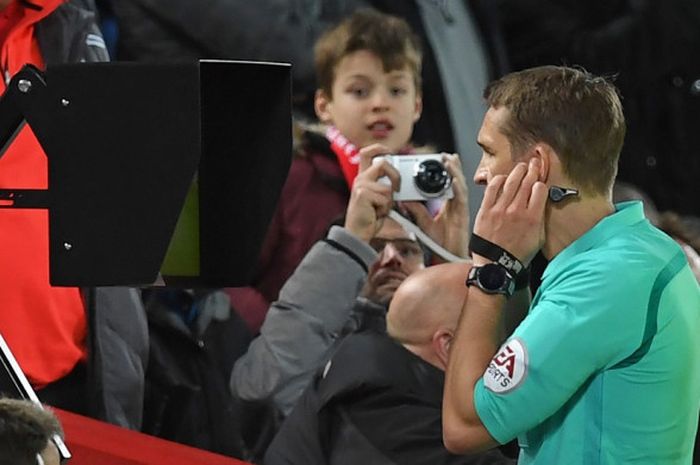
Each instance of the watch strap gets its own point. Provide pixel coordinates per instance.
(507, 289)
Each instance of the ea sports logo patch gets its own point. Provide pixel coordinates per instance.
(508, 368)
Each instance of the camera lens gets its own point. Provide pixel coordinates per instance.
(432, 178)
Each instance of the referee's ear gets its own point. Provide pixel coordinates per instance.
(545, 154)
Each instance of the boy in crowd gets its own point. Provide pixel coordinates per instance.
(369, 69)
(369, 76)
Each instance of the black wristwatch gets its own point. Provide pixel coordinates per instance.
(492, 278)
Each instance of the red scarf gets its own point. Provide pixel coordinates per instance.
(346, 152)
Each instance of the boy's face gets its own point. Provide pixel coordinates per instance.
(370, 105)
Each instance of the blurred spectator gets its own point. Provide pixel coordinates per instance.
(26, 430)
(368, 70)
(195, 337)
(675, 226)
(82, 351)
(108, 25)
(272, 30)
(346, 279)
(379, 398)
(653, 48)
(276, 30)
(682, 229)
(463, 49)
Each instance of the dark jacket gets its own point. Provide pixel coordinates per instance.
(194, 340)
(63, 35)
(373, 403)
(261, 420)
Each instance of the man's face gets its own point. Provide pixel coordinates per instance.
(497, 156)
(370, 105)
(399, 256)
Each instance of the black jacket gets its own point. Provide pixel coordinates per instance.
(194, 341)
(63, 35)
(373, 403)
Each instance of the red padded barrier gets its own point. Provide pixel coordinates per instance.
(94, 442)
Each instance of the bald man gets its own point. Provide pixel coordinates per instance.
(378, 400)
(416, 321)
(344, 282)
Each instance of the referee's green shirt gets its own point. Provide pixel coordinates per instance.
(605, 369)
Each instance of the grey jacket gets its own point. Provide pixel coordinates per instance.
(313, 307)
(117, 355)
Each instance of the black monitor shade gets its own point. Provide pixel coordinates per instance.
(135, 150)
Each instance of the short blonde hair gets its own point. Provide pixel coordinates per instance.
(388, 37)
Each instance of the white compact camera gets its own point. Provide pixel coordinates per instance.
(423, 177)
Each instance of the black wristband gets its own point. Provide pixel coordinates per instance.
(496, 253)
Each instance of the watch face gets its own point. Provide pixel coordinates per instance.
(492, 276)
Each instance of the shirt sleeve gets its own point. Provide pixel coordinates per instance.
(582, 323)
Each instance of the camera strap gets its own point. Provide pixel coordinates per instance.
(425, 239)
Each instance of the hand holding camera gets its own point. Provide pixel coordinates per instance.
(422, 177)
(379, 182)
(450, 226)
(371, 199)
